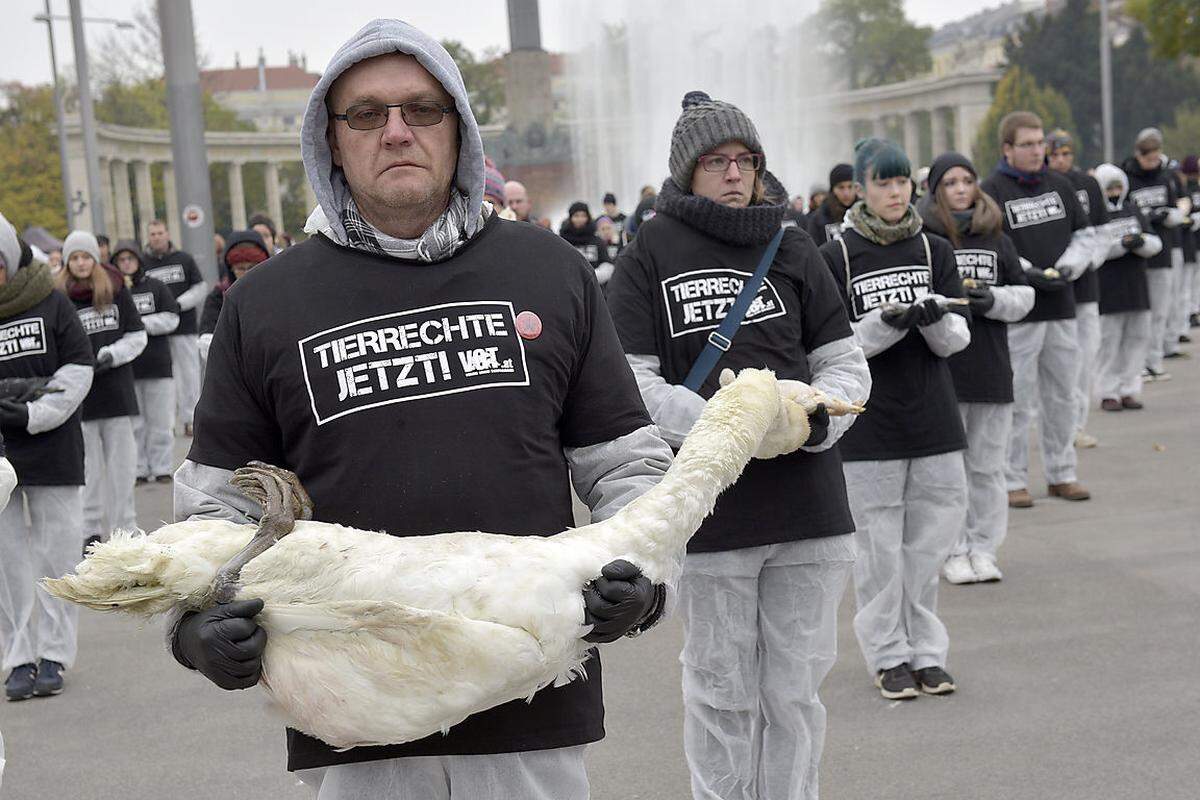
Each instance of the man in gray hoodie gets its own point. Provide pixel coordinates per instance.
(423, 366)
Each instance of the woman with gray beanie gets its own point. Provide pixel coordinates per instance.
(762, 578)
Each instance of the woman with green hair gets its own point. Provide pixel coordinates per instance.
(903, 458)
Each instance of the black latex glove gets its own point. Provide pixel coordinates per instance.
(904, 318)
(24, 390)
(818, 424)
(1159, 215)
(931, 311)
(1132, 241)
(617, 601)
(223, 643)
(1038, 280)
(14, 414)
(981, 298)
(104, 362)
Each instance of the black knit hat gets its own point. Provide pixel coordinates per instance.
(704, 124)
(579, 205)
(944, 163)
(840, 174)
(610, 198)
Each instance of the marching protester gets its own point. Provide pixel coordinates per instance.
(1124, 295)
(1060, 151)
(955, 208)
(753, 656)
(115, 330)
(903, 460)
(264, 226)
(580, 232)
(1152, 188)
(245, 249)
(613, 212)
(825, 223)
(179, 272)
(1190, 167)
(518, 384)
(608, 233)
(643, 212)
(1047, 225)
(152, 375)
(43, 439)
(1185, 284)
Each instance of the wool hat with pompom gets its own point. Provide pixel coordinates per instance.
(705, 124)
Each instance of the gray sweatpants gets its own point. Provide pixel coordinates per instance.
(908, 514)
(153, 429)
(1087, 325)
(988, 427)
(185, 364)
(556, 774)
(110, 469)
(1045, 358)
(40, 536)
(1124, 340)
(760, 635)
(1177, 323)
(1161, 281)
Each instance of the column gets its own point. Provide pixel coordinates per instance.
(912, 138)
(106, 186)
(172, 202)
(144, 190)
(123, 203)
(937, 127)
(879, 128)
(310, 197)
(274, 203)
(237, 197)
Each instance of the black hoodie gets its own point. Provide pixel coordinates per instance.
(150, 296)
(216, 298)
(1151, 189)
(825, 224)
(585, 240)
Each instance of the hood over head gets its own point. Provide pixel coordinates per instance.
(128, 246)
(1108, 174)
(10, 247)
(244, 240)
(376, 38)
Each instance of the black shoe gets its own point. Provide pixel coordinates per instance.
(19, 685)
(1185, 339)
(897, 683)
(141, 480)
(163, 479)
(934, 680)
(49, 678)
(88, 542)
(1177, 354)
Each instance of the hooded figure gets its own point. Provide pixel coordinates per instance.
(579, 229)
(422, 365)
(243, 250)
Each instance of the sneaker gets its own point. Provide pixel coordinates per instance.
(957, 570)
(1071, 490)
(163, 479)
(935, 680)
(897, 683)
(19, 685)
(1177, 354)
(1085, 441)
(984, 567)
(1155, 375)
(49, 678)
(1132, 403)
(1020, 498)
(1111, 404)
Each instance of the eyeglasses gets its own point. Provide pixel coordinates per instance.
(718, 162)
(415, 113)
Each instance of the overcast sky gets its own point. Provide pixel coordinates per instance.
(226, 27)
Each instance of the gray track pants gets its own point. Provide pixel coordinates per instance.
(110, 469)
(908, 514)
(1162, 282)
(1124, 340)
(185, 364)
(153, 429)
(988, 427)
(1184, 297)
(1087, 325)
(1045, 358)
(40, 536)
(760, 635)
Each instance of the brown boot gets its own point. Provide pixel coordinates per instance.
(1068, 491)
(1020, 498)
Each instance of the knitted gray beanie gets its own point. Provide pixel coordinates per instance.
(80, 240)
(704, 124)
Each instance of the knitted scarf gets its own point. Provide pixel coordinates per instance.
(439, 241)
(741, 227)
(873, 228)
(30, 286)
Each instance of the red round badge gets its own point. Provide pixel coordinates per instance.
(529, 325)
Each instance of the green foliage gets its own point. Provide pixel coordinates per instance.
(30, 174)
(144, 105)
(872, 42)
(482, 79)
(1018, 91)
(1183, 138)
(1173, 25)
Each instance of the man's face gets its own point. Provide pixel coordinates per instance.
(127, 262)
(845, 193)
(159, 238)
(610, 209)
(265, 233)
(1027, 151)
(396, 166)
(1151, 159)
(517, 199)
(1062, 159)
(729, 187)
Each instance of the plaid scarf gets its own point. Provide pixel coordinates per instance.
(439, 241)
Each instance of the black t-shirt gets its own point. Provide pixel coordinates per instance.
(35, 344)
(1040, 219)
(112, 393)
(179, 272)
(420, 398)
(1092, 201)
(1123, 282)
(821, 226)
(211, 311)
(153, 297)
(982, 372)
(1150, 190)
(913, 411)
(1191, 238)
(588, 245)
(672, 287)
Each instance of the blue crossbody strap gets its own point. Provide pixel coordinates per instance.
(720, 340)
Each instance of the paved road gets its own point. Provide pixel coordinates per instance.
(1077, 672)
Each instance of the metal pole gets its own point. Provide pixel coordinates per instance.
(184, 103)
(88, 120)
(1106, 108)
(59, 115)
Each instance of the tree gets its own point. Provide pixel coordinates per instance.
(133, 56)
(144, 105)
(482, 78)
(1173, 25)
(30, 173)
(1183, 138)
(872, 42)
(1018, 91)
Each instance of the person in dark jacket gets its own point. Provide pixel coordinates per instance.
(955, 208)
(903, 458)
(243, 250)
(152, 372)
(579, 229)
(1190, 168)
(641, 213)
(753, 657)
(826, 222)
